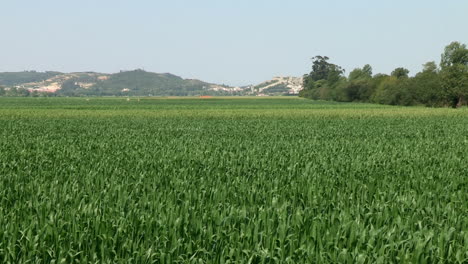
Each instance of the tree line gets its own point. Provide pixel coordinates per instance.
(440, 85)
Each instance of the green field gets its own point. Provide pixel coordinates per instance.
(231, 180)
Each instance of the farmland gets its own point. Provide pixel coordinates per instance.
(231, 180)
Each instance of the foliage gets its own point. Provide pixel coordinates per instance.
(426, 86)
(17, 92)
(144, 83)
(278, 89)
(323, 70)
(400, 73)
(124, 83)
(393, 91)
(16, 78)
(431, 87)
(361, 74)
(455, 84)
(455, 53)
(324, 81)
(454, 73)
(106, 180)
(70, 88)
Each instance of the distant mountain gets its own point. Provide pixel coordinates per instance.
(139, 82)
(136, 83)
(125, 83)
(51, 82)
(17, 78)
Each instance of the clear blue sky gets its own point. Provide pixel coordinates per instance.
(234, 42)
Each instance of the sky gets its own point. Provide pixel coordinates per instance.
(234, 42)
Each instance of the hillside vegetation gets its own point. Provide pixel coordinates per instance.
(132, 83)
(125, 83)
(140, 82)
(17, 78)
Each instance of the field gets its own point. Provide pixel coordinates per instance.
(240, 180)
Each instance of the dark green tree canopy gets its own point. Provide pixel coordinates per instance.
(361, 74)
(400, 73)
(436, 85)
(455, 53)
(323, 70)
(454, 73)
(430, 67)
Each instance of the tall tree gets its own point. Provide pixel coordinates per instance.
(359, 84)
(426, 86)
(400, 73)
(431, 67)
(322, 81)
(454, 53)
(361, 74)
(454, 63)
(367, 69)
(323, 70)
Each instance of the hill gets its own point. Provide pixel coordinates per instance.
(134, 83)
(125, 83)
(139, 82)
(17, 78)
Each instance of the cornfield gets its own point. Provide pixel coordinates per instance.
(241, 180)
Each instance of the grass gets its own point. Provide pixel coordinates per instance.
(231, 180)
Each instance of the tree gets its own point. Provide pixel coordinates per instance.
(427, 88)
(323, 80)
(360, 74)
(357, 90)
(400, 73)
(358, 83)
(69, 88)
(454, 63)
(430, 67)
(454, 54)
(455, 84)
(393, 91)
(323, 70)
(367, 69)
(23, 92)
(13, 91)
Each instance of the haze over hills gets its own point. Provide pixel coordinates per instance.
(133, 83)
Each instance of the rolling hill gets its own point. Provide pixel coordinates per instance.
(135, 83)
